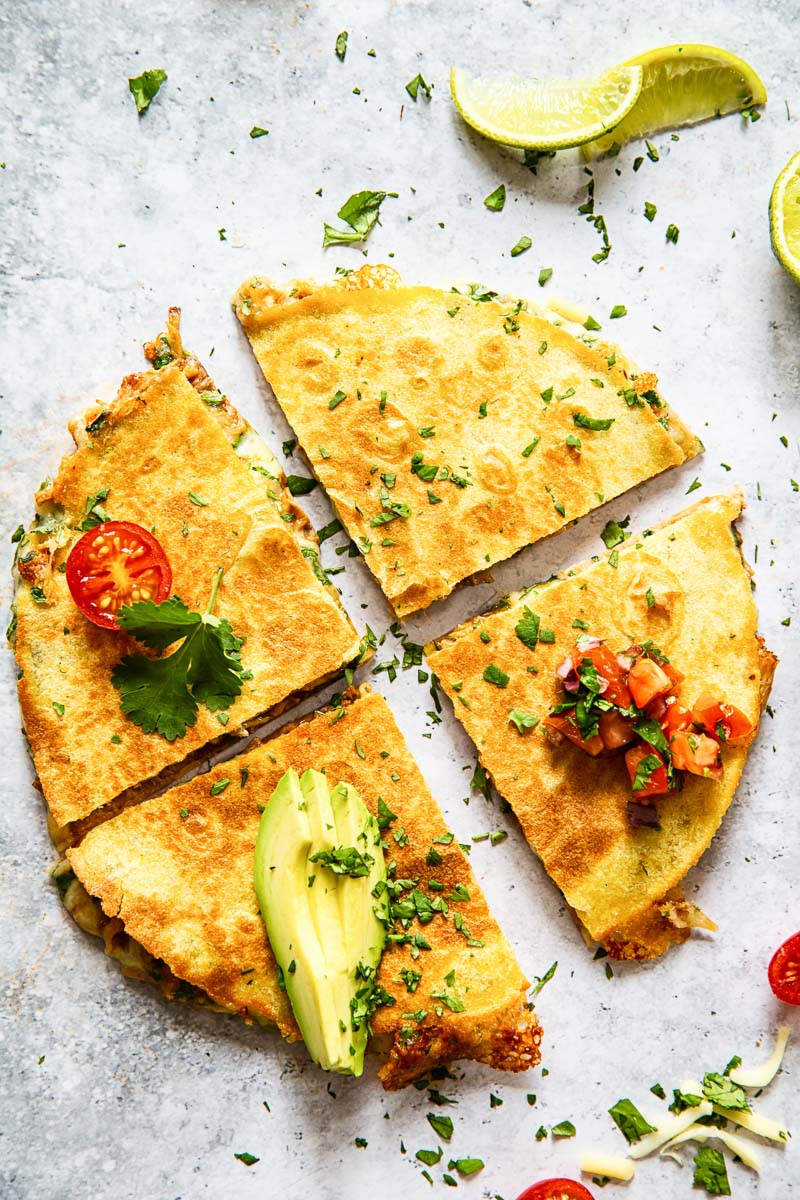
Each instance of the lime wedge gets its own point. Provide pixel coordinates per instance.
(537, 114)
(784, 217)
(682, 85)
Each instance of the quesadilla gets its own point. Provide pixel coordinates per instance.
(681, 595)
(172, 456)
(174, 876)
(450, 429)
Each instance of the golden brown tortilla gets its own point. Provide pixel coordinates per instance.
(177, 872)
(158, 442)
(370, 374)
(620, 882)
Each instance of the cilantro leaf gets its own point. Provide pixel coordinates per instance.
(300, 485)
(683, 1100)
(722, 1091)
(441, 1125)
(521, 246)
(466, 1166)
(527, 628)
(496, 200)
(522, 720)
(614, 532)
(644, 771)
(564, 1129)
(493, 674)
(710, 1172)
(583, 421)
(429, 1157)
(163, 694)
(413, 87)
(541, 981)
(630, 1121)
(361, 213)
(145, 87)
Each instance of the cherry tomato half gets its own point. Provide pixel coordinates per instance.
(556, 1189)
(725, 721)
(113, 564)
(784, 971)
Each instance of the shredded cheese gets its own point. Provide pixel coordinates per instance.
(701, 1133)
(756, 1123)
(759, 1077)
(568, 310)
(595, 1162)
(668, 1129)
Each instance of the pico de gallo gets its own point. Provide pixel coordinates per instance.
(631, 702)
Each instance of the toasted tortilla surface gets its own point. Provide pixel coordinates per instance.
(371, 374)
(177, 871)
(158, 446)
(621, 882)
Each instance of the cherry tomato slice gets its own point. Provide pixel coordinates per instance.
(113, 564)
(784, 971)
(556, 1189)
(658, 783)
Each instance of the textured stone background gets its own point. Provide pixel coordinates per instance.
(109, 1093)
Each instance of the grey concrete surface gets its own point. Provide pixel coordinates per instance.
(109, 1093)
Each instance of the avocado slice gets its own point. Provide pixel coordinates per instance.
(326, 928)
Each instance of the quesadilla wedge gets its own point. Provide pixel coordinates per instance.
(174, 877)
(681, 596)
(172, 456)
(450, 429)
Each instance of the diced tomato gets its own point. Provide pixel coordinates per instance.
(565, 723)
(646, 680)
(696, 753)
(606, 665)
(675, 677)
(674, 717)
(784, 971)
(656, 709)
(723, 720)
(657, 784)
(616, 730)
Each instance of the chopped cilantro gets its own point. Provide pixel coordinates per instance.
(429, 1157)
(257, 132)
(521, 246)
(650, 210)
(496, 200)
(564, 1129)
(218, 787)
(672, 233)
(644, 771)
(722, 1091)
(493, 674)
(300, 485)
(336, 399)
(441, 1124)
(198, 500)
(619, 310)
(414, 85)
(341, 45)
(545, 274)
(529, 449)
(599, 424)
(521, 720)
(145, 87)
(542, 980)
(249, 1160)
(658, 1090)
(541, 1132)
(361, 213)
(614, 532)
(466, 1166)
(710, 1172)
(630, 1121)
(693, 486)
(591, 324)
(329, 530)
(652, 152)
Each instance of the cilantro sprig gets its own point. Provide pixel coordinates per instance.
(163, 695)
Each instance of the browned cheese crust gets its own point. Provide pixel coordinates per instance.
(157, 444)
(485, 393)
(621, 883)
(177, 872)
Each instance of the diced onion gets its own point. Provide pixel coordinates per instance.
(759, 1077)
(701, 1133)
(667, 1129)
(596, 1162)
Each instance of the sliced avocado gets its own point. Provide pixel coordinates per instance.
(325, 935)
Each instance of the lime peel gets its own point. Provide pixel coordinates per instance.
(784, 218)
(681, 85)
